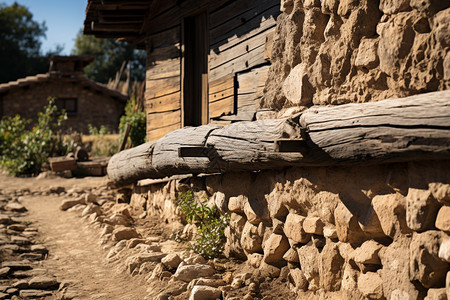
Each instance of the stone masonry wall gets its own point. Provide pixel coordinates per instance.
(333, 52)
(92, 107)
(362, 232)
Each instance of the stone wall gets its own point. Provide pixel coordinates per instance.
(350, 233)
(92, 107)
(333, 52)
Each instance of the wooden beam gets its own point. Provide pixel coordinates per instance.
(396, 130)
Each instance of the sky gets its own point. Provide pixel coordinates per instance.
(63, 18)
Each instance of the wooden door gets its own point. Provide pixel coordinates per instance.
(195, 90)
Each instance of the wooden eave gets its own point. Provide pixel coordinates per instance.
(123, 20)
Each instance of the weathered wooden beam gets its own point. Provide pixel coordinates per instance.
(407, 129)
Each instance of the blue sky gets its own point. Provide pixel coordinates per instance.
(63, 18)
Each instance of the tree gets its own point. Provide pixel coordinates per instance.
(109, 57)
(20, 43)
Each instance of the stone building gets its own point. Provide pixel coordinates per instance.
(336, 186)
(85, 101)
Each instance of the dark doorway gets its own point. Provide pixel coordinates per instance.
(195, 70)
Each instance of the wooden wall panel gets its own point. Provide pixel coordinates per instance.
(163, 83)
(250, 89)
(221, 96)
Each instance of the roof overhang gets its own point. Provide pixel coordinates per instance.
(124, 20)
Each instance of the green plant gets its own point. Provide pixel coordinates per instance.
(211, 225)
(23, 151)
(137, 121)
(101, 131)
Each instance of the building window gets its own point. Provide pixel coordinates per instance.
(68, 104)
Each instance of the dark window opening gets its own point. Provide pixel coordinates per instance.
(68, 104)
(195, 105)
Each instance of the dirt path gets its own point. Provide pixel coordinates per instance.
(75, 254)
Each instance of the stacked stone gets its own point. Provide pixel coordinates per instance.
(374, 232)
(332, 52)
(20, 274)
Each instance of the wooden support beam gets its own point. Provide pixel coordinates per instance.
(397, 130)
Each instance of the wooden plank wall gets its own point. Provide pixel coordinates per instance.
(239, 34)
(163, 83)
(239, 31)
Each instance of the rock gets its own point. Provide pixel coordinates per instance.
(428, 6)
(367, 56)
(69, 203)
(21, 284)
(31, 256)
(330, 232)
(171, 261)
(6, 220)
(421, 209)
(195, 259)
(275, 204)
(236, 204)
(124, 233)
(330, 267)
(308, 256)
(349, 280)
(250, 240)
(298, 279)
(4, 271)
(15, 206)
(118, 220)
(436, 294)
(390, 7)
(90, 198)
(34, 294)
(237, 222)
(370, 285)
(17, 227)
(135, 261)
(268, 271)
(132, 243)
(188, 272)
(297, 88)
(205, 293)
(90, 209)
(42, 282)
(221, 202)
(447, 285)
(347, 226)
(255, 259)
(368, 253)
(391, 212)
(443, 219)
(252, 213)
(444, 250)
(121, 209)
(39, 249)
(441, 191)
(291, 255)
(16, 265)
(293, 228)
(313, 225)
(274, 249)
(425, 264)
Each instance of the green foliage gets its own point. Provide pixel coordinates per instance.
(138, 122)
(109, 56)
(23, 151)
(20, 43)
(101, 131)
(211, 225)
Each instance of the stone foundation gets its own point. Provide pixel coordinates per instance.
(375, 232)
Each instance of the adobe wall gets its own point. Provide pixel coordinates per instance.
(378, 232)
(333, 52)
(92, 107)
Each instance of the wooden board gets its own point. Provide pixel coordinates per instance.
(164, 103)
(163, 69)
(163, 119)
(155, 134)
(222, 107)
(161, 87)
(408, 129)
(221, 96)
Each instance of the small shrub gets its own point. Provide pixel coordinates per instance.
(138, 122)
(211, 225)
(23, 151)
